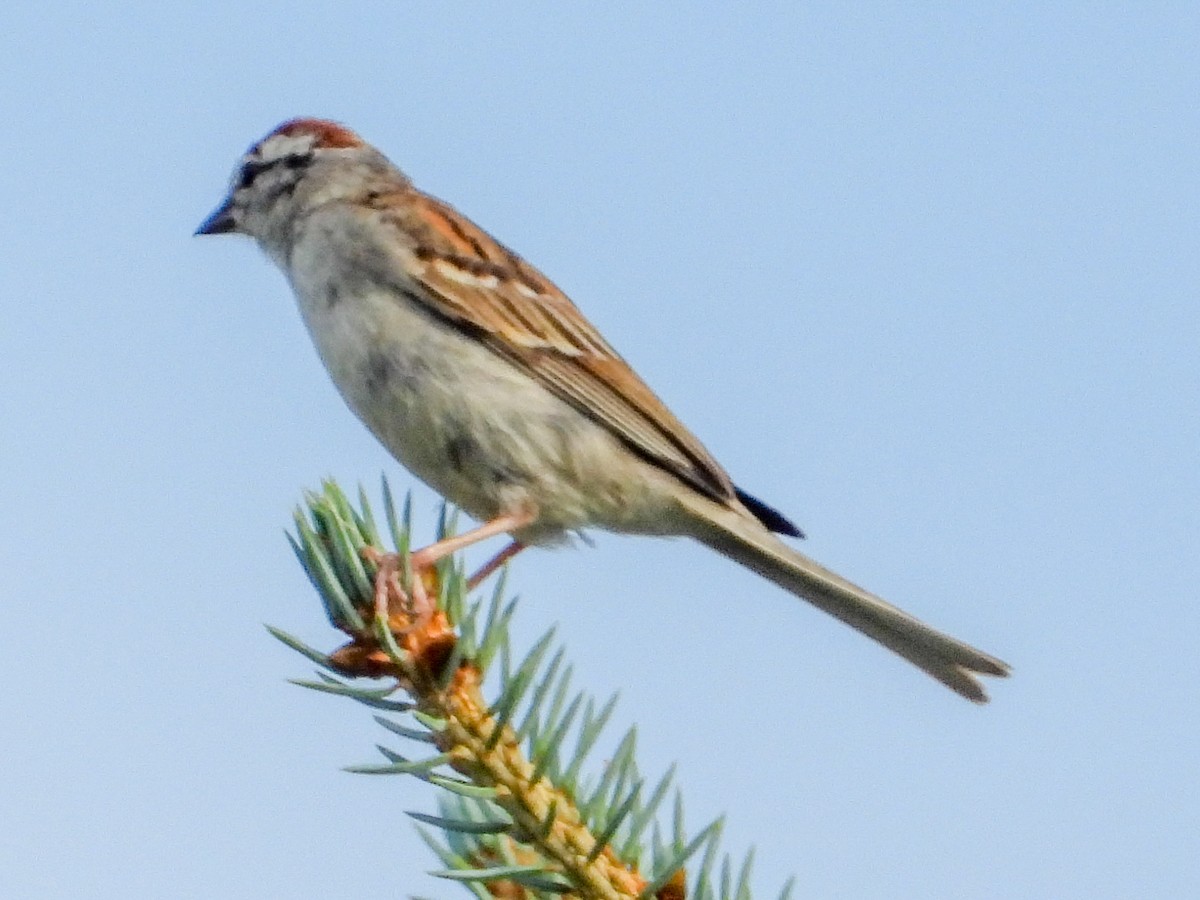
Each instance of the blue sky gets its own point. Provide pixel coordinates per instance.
(925, 278)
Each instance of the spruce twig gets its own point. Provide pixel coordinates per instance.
(516, 819)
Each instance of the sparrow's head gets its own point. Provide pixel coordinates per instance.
(300, 164)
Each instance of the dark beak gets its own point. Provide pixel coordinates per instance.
(221, 221)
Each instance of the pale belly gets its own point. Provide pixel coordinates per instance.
(475, 428)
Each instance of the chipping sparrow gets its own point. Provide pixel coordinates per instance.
(484, 380)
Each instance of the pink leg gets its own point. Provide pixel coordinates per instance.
(488, 568)
(427, 556)
(421, 607)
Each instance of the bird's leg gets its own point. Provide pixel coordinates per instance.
(484, 572)
(420, 561)
(427, 556)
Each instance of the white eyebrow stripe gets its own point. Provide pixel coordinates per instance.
(281, 146)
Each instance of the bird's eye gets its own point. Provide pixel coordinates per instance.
(253, 168)
(250, 171)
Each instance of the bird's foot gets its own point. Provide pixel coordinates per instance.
(420, 607)
(416, 608)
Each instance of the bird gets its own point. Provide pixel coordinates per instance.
(487, 383)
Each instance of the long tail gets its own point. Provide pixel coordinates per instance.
(736, 535)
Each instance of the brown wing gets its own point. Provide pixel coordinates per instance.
(471, 280)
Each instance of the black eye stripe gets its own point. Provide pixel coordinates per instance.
(253, 168)
(250, 171)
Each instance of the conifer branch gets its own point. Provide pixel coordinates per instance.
(518, 818)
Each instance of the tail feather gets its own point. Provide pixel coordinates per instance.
(739, 537)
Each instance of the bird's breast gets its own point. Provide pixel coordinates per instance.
(477, 429)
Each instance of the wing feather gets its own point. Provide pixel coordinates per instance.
(466, 277)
